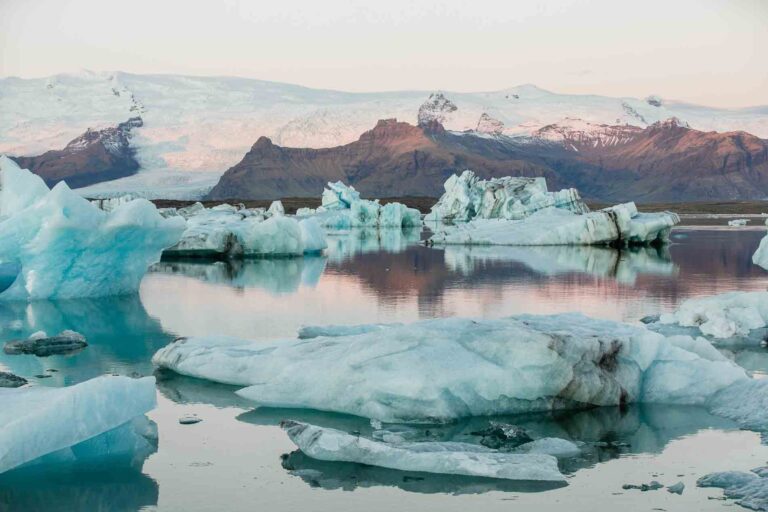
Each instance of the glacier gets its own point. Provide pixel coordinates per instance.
(227, 231)
(342, 209)
(521, 211)
(36, 420)
(66, 247)
(444, 369)
(431, 457)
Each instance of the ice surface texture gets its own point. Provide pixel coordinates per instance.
(450, 368)
(35, 421)
(66, 247)
(749, 489)
(430, 457)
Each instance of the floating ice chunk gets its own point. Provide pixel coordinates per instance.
(748, 489)
(724, 316)
(677, 488)
(342, 208)
(339, 196)
(9, 380)
(468, 197)
(430, 457)
(276, 208)
(399, 216)
(744, 402)
(738, 222)
(555, 226)
(451, 368)
(35, 421)
(41, 345)
(66, 247)
(231, 232)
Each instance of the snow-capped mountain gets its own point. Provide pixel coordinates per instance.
(197, 127)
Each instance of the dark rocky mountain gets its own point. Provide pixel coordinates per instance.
(666, 161)
(93, 157)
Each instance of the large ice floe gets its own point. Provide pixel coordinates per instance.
(750, 490)
(431, 457)
(450, 368)
(227, 231)
(65, 247)
(36, 420)
(521, 211)
(342, 208)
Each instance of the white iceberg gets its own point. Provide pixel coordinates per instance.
(342, 208)
(760, 257)
(619, 225)
(725, 316)
(66, 247)
(226, 231)
(430, 457)
(35, 421)
(467, 197)
(738, 222)
(450, 368)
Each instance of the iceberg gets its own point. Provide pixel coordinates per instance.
(65, 247)
(738, 222)
(444, 369)
(467, 197)
(342, 208)
(734, 317)
(35, 421)
(760, 257)
(430, 457)
(619, 225)
(229, 232)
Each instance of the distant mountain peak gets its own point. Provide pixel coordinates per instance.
(436, 108)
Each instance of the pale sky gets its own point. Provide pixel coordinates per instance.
(713, 52)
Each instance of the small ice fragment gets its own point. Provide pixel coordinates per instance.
(677, 488)
(190, 419)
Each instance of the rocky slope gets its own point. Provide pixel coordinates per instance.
(666, 161)
(93, 157)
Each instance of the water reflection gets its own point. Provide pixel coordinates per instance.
(102, 473)
(347, 244)
(276, 276)
(623, 265)
(122, 337)
(607, 433)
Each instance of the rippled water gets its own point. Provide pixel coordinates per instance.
(233, 459)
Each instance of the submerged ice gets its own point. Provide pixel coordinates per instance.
(64, 247)
(35, 421)
(451, 368)
(431, 457)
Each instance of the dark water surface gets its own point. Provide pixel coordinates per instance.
(238, 458)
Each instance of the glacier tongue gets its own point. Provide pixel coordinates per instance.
(66, 247)
(35, 421)
(450, 368)
(430, 457)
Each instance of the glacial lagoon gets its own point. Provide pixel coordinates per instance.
(238, 455)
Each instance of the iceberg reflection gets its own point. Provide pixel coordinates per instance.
(622, 264)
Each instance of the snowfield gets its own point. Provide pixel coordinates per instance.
(195, 128)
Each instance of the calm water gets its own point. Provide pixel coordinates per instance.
(238, 459)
